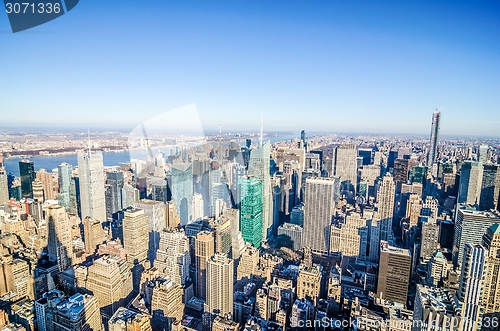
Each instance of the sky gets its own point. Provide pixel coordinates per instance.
(339, 66)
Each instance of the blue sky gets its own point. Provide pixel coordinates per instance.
(364, 66)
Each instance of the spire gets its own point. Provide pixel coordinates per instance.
(88, 136)
(261, 126)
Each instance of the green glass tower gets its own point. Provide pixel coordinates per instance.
(251, 210)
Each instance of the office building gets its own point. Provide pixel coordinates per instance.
(129, 195)
(128, 320)
(220, 280)
(16, 278)
(166, 301)
(249, 261)
(224, 324)
(433, 147)
(491, 289)
(345, 166)
(27, 173)
(259, 167)
(318, 206)
(155, 210)
(91, 183)
(79, 312)
(93, 234)
(346, 236)
(251, 209)
(385, 206)
(309, 282)
(394, 273)
(470, 226)
(435, 309)
(181, 184)
(60, 241)
(114, 186)
(471, 178)
(204, 249)
(471, 287)
(290, 235)
(172, 258)
(37, 189)
(110, 280)
(47, 181)
(4, 184)
(490, 187)
(135, 235)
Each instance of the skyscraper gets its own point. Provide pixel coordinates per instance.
(432, 154)
(394, 273)
(471, 178)
(172, 258)
(47, 180)
(491, 291)
(220, 280)
(114, 185)
(251, 213)
(155, 210)
(93, 233)
(471, 286)
(4, 184)
(204, 249)
(490, 187)
(318, 213)
(259, 166)
(385, 206)
(64, 173)
(470, 226)
(60, 243)
(345, 166)
(91, 179)
(27, 173)
(135, 235)
(181, 183)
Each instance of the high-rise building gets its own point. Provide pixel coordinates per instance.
(47, 180)
(167, 300)
(37, 189)
(181, 184)
(4, 184)
(470, 226)
(318, 213)
(248, 263)
(204, 249)
(129, 195)
(483, 154)
(128, 320)
(309, 282)
(172, 258)
(93, 234)
(432, 154)
(155, 210)
(435, 309)
(60, 241)
(17, 278)
(290, 235)
(27, 173)
(401, 171)
(79, 312)
(114, 186)
(345, 166)
(385, 205)
(394, 273)
(490, 188)
(471, 286)
(346, 236)
(220, 280)
(251, 209)
(471, 178)
(110, 280)
(491, 290)
(64, 180)
(135, 236)
(259, 166)
(91, 179)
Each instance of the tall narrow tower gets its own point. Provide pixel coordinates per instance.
(91, 174)
(431, 156)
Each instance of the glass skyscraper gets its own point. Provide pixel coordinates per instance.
(27, 172)
(251, 212)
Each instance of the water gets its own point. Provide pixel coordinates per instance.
(109, 158)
